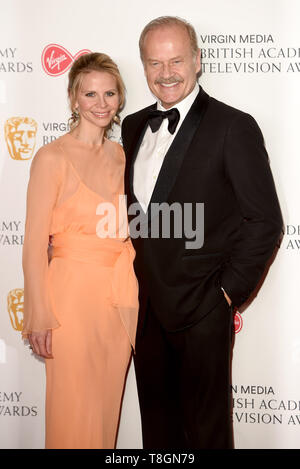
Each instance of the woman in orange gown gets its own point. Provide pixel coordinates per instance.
(80, 310)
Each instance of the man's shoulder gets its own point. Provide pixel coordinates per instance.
(226, 118)
(224, 115)
(225, 108)
(134, 123)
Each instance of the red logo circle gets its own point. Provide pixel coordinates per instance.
(238, 322)
(56, 60)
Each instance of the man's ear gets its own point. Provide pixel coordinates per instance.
(198, 61)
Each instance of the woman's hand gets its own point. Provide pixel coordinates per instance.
(41, 343)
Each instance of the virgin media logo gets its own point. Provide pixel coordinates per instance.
(56, 60)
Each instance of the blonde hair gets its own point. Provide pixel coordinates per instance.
(163, 21)
(94, 61)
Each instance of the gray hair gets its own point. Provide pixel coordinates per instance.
(169, 21)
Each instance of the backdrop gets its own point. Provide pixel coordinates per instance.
(250, 60)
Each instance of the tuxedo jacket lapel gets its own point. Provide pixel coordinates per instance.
(179, 148)
(136, 143)
(177, 151)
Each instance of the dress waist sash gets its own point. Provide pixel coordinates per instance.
(89, 248)
(106, 252)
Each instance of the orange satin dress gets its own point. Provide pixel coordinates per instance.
(87, 294)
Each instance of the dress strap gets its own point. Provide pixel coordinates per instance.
(73, 169)
(67, 160)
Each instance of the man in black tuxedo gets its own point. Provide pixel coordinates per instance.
(216, 157)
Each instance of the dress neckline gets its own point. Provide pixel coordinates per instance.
(81, 181)
(75, 172)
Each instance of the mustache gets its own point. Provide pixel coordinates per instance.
(168, 81)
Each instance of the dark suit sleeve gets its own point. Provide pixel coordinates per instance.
(247, 167)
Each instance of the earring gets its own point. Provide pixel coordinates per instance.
(116, 119)
(75, 115)
(74, 119)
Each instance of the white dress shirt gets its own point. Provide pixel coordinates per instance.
(153, 150)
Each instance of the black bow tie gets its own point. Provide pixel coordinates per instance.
(156, 118)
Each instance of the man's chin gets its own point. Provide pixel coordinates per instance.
(168, 100)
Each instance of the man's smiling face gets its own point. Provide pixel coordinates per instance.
(170, 66)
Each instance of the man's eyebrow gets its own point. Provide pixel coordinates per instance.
(157, 60)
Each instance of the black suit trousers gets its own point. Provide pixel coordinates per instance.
(184, 382)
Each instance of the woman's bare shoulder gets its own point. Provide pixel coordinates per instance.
(53, 148)
(49, 154)
(116, 149)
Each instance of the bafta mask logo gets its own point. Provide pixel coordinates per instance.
(15, 307)
(20, 136)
